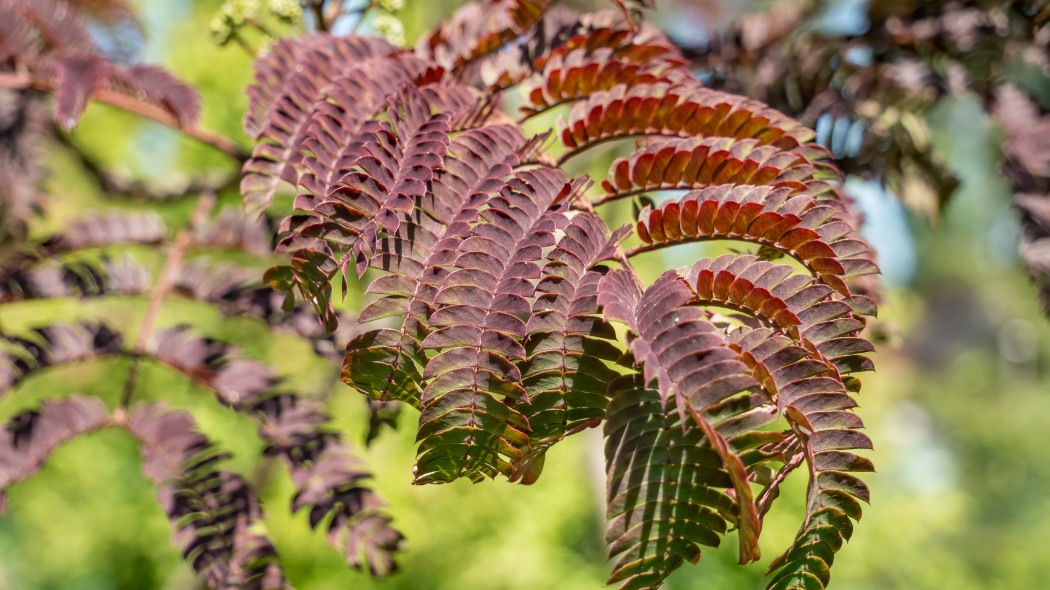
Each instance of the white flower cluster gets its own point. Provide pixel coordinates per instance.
(287, 10)
(392, 6)
(390, 28)
(234, 14)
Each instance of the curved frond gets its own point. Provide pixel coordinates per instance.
(811, 230)
(695, 163)
(812, 395)
(80, 278)
(570, 75)
(466, 429)
(480, 28)
(54, 345)
(107, 229)
(795, 305)
(690, 365)
(237, 292)
(800, 363)
(328, 478)
(685, 110)
(216, 517)
(665, 487)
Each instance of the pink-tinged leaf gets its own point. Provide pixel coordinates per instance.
(78, 78)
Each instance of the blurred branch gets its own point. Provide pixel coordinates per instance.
(318, 10)
(183, 241)
(22, 81)
(114, 184)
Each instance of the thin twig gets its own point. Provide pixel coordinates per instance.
(183, 241)
(113, 184)
(261, 27)
(337, 11)
(245, 45)
(361, 18)
(318, 9)
(765, 499)
(22, 81)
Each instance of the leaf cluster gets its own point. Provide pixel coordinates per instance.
(501, 305)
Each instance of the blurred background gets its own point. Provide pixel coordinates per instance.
(958, 406)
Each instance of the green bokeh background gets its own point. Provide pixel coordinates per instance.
(957, 409)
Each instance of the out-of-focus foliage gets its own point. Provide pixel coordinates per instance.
(869, 75)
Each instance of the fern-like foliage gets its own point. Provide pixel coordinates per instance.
(500, 303)
(496, 291)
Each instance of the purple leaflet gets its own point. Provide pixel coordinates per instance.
(467, 427)
(568, 341)
(386, 364)
(294, 82)
(78, 78)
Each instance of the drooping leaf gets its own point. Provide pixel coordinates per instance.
(568, 342)
(387, 364)
(329, 482)
(466, 428)
(216, 516)
(693, 372)
(54, 345)
(784, 219)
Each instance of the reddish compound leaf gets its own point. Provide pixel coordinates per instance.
(687, 360)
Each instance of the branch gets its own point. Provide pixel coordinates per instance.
(596, 142)
(318, 10)
(114, 184)
(183, 241)
(22, 81)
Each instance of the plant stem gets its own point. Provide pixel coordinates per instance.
(183, 241)
(261, 28)
(245, 45)
(112, 184)
(318, 10)
(22, 81)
